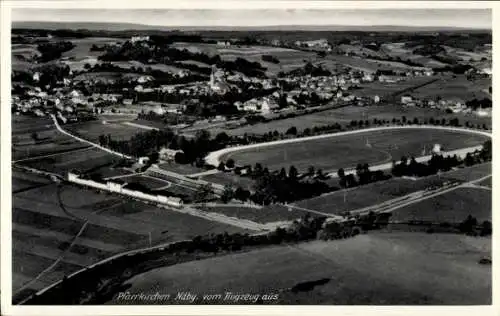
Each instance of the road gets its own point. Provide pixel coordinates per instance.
(214, 157)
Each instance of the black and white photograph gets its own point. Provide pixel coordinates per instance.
(264, 156)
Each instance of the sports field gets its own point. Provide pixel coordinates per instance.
(346, 151)
(378, 268)
(47, 217)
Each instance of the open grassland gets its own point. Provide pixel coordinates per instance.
(47, 218)
(290, 59)
(47, 139)
(91, 130)
(346, 114)
(83, 45)
(184, 169)
(458, 89)
(452, 207)
(386, 89)
(84, 160)
(363, 64)
(267, 214)
(378, 268)
(137, 64)
(346, 151)
(486, 183)
(375, 193)
(149, 182)
(234, 180)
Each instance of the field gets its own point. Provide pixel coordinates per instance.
(378, 268)
(181, 168)
(487, 183)
(91, 130)
(384, 90)
(132, 63)
(83, 45)
(290, 59)
(47, 218)
(363, 64)
(451, 207)
(49, 140)
(376, 193)
(232, 179)
(267, 214)
(149, 182)
(333, 153)
(84, 160)
(346, 114)
(458, 89)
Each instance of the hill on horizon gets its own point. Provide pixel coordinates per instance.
(98, 26)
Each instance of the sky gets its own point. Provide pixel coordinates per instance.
(465, 18)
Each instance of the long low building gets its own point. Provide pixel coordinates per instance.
(120, 189)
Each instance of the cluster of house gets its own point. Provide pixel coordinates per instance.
(320, 43)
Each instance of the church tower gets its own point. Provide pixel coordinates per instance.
(212, 76)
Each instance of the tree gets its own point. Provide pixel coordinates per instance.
(311, 170)
(230, 163)
(87, 66)
(221, 166)
(282, 174)
(153, 157)
(292, 131)
(293, 173)
(34, 136)
(341, 173)
(241, 194)
(203, 192)
(227, 194)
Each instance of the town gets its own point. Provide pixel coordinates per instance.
(134, 151)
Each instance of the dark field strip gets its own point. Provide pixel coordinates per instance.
(268, 214)
(61, 238)
(71, 227)
(53, 253)
(32, 265)
(44, 221)
(60, 245)
(27, 188)
(111, 235)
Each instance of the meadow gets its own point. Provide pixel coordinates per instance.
(364, 270)
(451, 207)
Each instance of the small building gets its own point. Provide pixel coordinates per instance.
(143, 160)
(406, 99)
(376, 99)
(169, 154)
(128, 101)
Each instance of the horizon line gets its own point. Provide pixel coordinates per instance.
(260, 26)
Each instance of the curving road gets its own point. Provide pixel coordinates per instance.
(214, 157)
